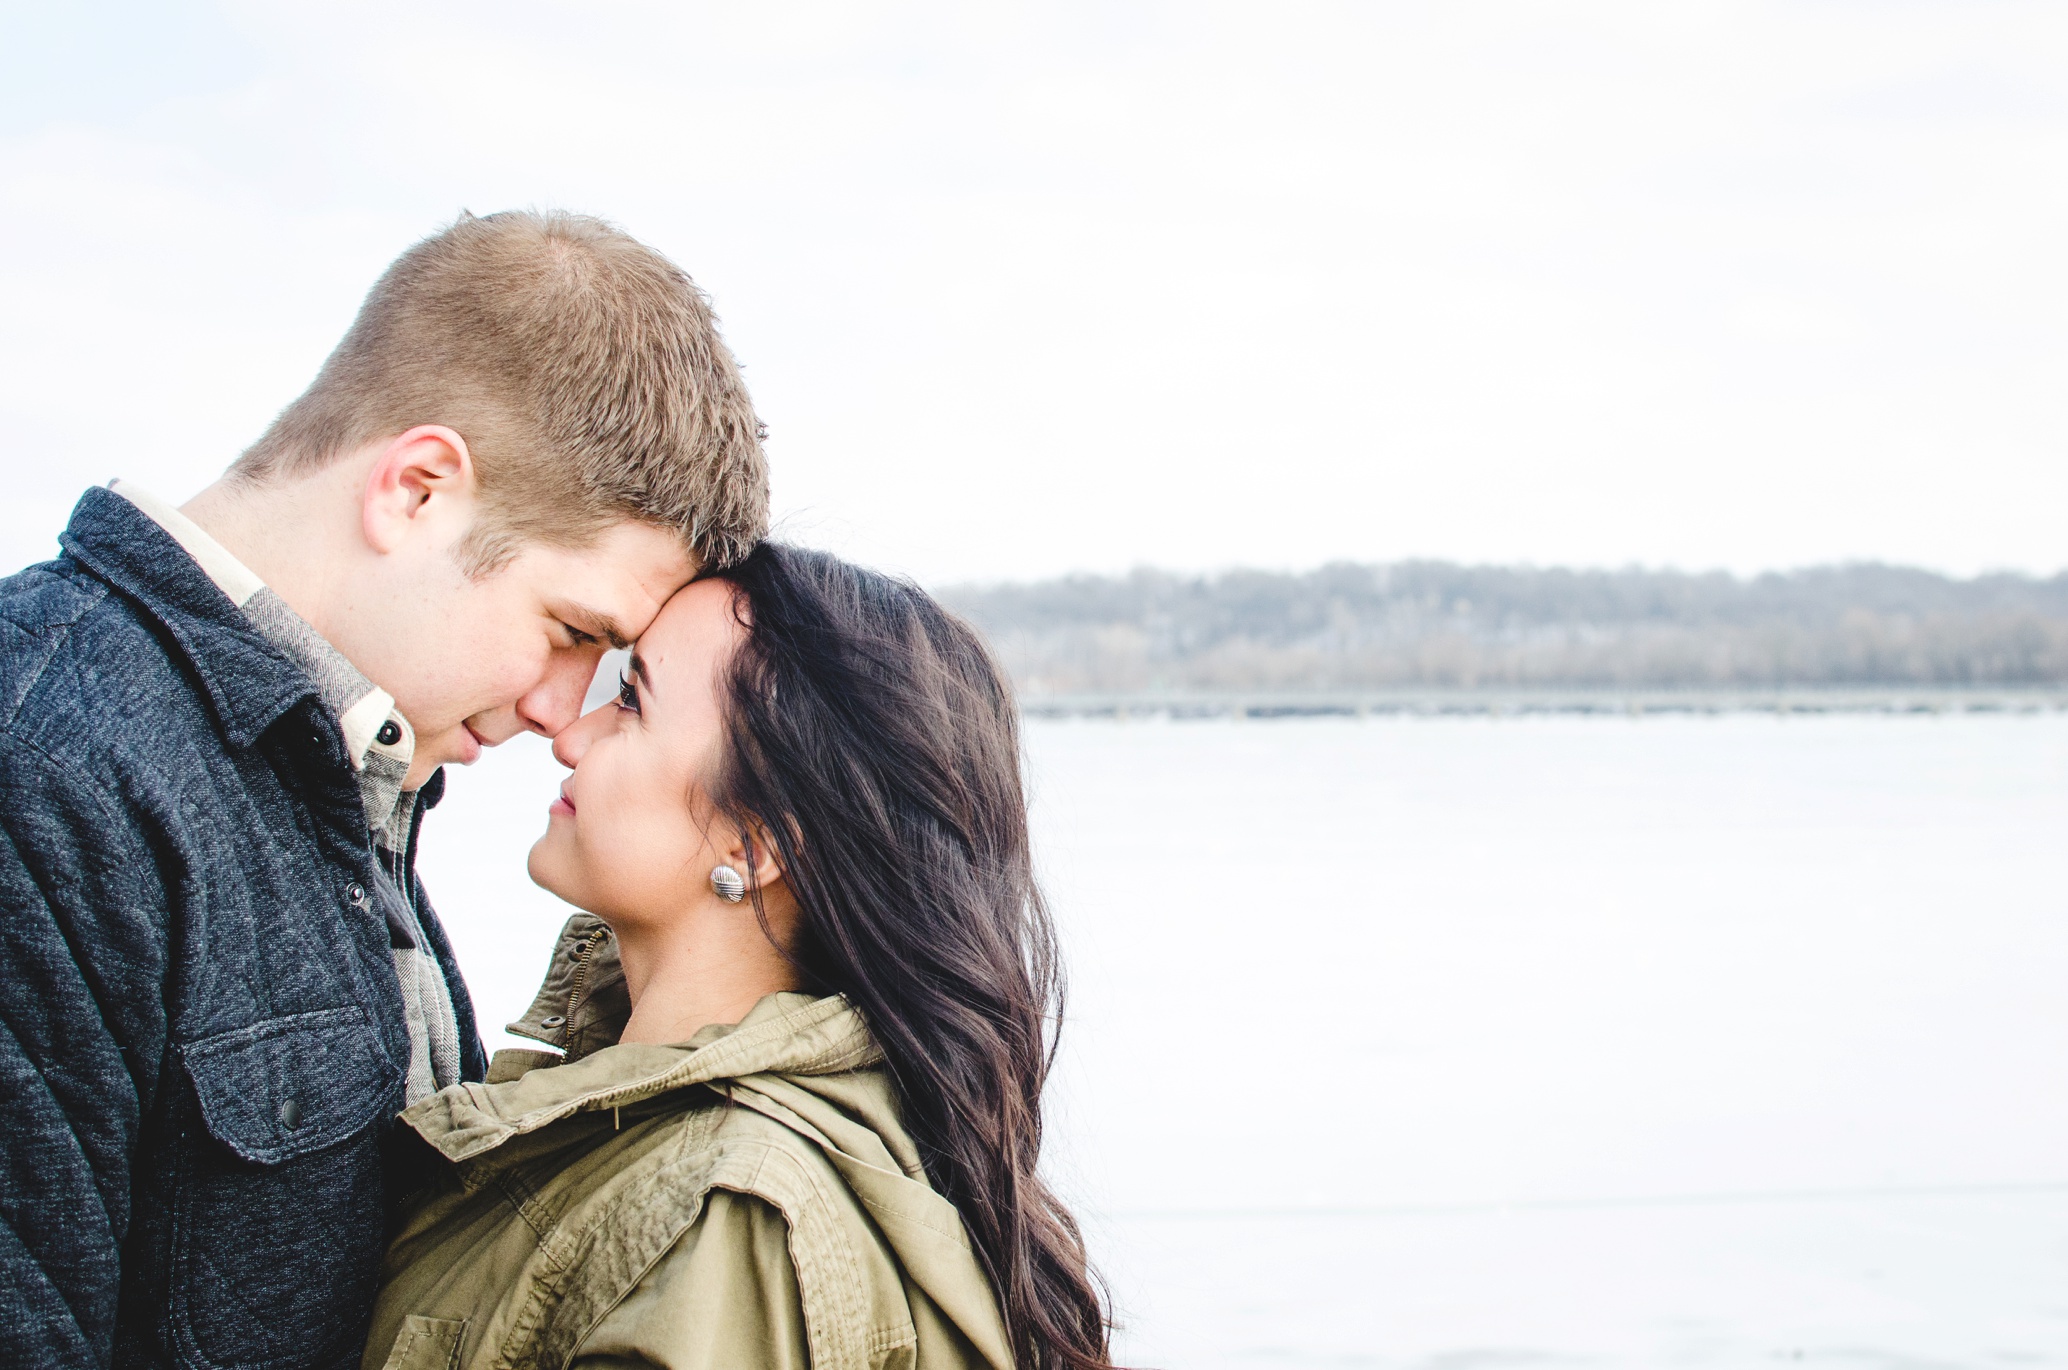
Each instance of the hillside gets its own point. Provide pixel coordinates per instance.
(1437, 625)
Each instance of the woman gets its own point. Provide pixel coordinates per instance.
(797, 1110)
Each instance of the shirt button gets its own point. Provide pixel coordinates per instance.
(291, 1114)
(389, 734)
(355, 894)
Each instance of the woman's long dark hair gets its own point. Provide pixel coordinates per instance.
(873, 738)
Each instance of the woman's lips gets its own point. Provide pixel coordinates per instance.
(562, 805)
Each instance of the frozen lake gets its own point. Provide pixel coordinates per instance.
(1489, 1042)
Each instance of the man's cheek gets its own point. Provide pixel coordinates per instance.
(518, 671)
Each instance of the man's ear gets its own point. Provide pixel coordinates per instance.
(423, 476)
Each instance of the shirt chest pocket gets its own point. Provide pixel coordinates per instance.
(281, 1206)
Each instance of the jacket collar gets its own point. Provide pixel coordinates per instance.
(362, 709)
(583, 1004)
(249, 682)
(784, 1034)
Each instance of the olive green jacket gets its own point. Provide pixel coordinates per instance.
(748, 1198)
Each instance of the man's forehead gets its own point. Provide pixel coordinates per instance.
(620, 580)
(648, 551)
(656, 555)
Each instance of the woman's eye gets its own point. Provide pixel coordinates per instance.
(628, 693)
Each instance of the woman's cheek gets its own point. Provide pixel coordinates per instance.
(598, 835)
(622, 857)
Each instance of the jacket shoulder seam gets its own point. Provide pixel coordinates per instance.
(55, 634)
(112, 812)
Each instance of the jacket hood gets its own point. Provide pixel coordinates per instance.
(786, 1037)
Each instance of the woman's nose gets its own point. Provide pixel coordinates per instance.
(572, 742)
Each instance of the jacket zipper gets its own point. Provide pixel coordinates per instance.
(581, 981)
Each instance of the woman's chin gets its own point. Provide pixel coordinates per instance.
(541, 866)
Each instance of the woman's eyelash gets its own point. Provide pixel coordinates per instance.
(628, 693)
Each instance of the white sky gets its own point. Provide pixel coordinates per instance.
(1025, 289)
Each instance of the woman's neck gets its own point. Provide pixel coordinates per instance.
(708, 966)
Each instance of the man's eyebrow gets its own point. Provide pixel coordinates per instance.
(596, 623)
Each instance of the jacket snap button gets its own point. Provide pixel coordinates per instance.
(555, 1021)
(355, 893)
(291, 1113)
(389, 734)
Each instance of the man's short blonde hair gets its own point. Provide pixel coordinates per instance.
(583, 368)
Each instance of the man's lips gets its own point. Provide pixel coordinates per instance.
(471, 753)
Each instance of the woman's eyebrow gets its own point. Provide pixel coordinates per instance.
(639, 669)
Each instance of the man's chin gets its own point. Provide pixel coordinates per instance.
(460, 746)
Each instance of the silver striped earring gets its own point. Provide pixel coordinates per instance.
(727, 884)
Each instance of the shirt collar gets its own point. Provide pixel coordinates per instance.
(378, 740)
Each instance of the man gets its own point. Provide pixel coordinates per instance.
(219, 728)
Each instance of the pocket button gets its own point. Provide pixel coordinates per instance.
(291, 1114)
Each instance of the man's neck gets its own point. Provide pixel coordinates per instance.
(283, 531)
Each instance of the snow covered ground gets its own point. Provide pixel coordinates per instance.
(1487, 1042)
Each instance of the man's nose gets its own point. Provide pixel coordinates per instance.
(556, 701)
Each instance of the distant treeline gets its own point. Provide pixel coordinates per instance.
(1430, 623)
